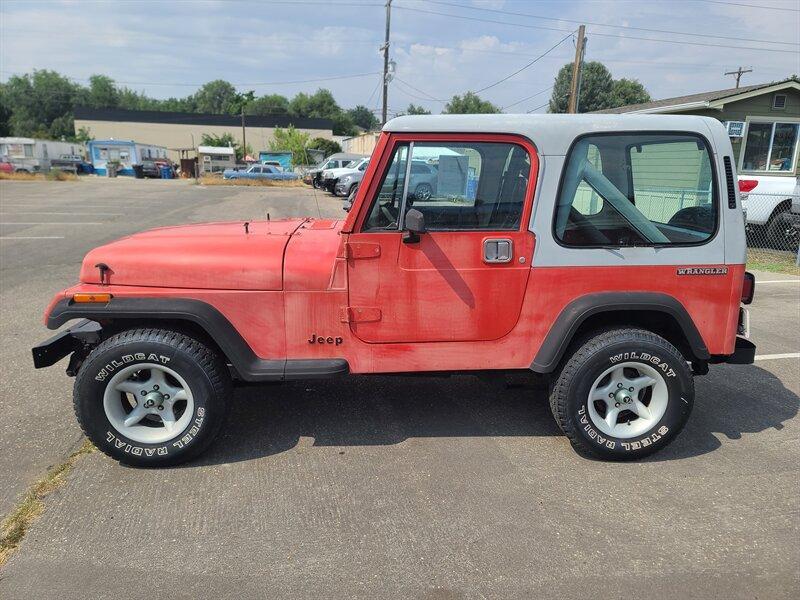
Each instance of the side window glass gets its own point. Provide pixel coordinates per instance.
(637, 190)
(385, 211)
(468, 186)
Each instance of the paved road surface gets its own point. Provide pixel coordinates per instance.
(388, 487)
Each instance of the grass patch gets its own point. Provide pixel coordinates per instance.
(53, 175)
(772, 261)
(293, 183)
(15, 526)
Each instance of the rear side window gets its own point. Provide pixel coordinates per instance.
(637, 190)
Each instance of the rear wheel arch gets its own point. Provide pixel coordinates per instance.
(586, 316)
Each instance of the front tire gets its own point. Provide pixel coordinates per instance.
(623, 394)
(151, 397)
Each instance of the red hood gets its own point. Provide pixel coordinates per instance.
(218, 256)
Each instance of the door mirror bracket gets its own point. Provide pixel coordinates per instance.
(414, 225)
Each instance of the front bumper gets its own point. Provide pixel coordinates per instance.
(65, 342)
(340, 189)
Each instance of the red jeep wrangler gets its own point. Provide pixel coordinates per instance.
(606, 252)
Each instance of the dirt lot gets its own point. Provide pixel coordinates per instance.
(380, 486)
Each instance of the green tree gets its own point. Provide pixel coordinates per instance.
(5, 112)
(327, 146)
(598, 91)
(291, 140)
(627, 91)
(41, 104)
(468, 104)
(269, 104)
(363, 117)
(322, 104)
(102, 93)
(413, 109)
(217, 97)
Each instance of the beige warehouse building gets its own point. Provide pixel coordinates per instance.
(183, 131)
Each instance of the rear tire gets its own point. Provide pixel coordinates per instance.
(623, 394)
(781, 232)
(151, 397)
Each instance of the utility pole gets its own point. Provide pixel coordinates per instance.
(386, 62)
(575, 86)
(244, 136)
(738, 74)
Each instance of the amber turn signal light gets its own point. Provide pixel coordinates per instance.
(91, 298)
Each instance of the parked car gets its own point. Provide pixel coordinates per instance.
(334, 161)
(628, 296)
(767, 203)
(151, 169)
(259, 172)
(349, 178)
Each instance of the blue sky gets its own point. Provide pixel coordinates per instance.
(167, 48)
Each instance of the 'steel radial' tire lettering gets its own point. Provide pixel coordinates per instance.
(151, 397)
(623, 394)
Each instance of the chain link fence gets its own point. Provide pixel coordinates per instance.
(772, 225)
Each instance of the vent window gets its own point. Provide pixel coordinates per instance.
(779, 102)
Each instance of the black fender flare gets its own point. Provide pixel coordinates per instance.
(576, 312)
(247, 365)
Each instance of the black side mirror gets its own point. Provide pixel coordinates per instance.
(414, 225)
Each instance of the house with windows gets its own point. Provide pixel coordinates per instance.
(762, 122)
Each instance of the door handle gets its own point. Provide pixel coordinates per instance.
(498, 250)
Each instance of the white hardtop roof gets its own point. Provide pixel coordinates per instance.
(551, 134)
(216, 150)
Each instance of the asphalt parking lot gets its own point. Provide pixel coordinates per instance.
(379, 486)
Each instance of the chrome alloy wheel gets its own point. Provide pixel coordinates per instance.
(148, 403)
(628, 400)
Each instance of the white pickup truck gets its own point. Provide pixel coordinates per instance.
(772, 206)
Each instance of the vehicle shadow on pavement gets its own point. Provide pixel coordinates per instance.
(375, 410)
(732, 400)
(386, 410)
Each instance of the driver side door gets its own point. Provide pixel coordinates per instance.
(464, 278)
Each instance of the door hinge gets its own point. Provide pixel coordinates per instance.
(356, 250)
(359, 314)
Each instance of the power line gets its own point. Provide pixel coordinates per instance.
(429, 97)
(761, 6)
(614, 35)
(628, 27)
(526, 98)
(264, 83)
(531, 63)
(538, 107)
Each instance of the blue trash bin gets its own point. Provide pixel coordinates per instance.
(166, 172)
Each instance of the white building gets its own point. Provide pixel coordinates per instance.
(215, 159)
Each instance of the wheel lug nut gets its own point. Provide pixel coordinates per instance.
(160, 407)
(143, 392)
(630, 389)
(155, 387)
(611, 395)
(616, 404)
(166, 396)
(619, 385)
